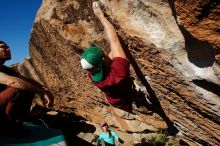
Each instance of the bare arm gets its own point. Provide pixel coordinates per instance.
(18, 83)
(33, 82)
(116, 48)
(22, 84)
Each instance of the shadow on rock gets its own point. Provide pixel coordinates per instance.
(200, 53)
(70, 124)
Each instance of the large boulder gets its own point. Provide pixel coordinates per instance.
(174, 70)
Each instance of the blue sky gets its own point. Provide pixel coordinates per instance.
(17, 17)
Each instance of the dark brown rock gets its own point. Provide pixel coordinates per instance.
(202, 19)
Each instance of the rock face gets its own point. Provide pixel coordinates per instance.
(202, 19)
(175, 70)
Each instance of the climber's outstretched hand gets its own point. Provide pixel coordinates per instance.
(97, 9)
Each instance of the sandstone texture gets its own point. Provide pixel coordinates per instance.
(202, 19)
(174, 65)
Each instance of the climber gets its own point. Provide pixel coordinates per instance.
(108, 136)
(17, 93)
(109, 72)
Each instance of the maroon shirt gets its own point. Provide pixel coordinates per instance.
(117, 84)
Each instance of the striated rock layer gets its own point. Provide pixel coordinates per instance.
(173, 69)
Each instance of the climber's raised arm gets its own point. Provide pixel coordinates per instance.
(116, 48)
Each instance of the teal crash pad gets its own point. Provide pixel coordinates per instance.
(39, 136)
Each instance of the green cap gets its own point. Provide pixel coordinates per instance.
(93, 56)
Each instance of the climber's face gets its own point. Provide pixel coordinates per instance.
(93, 70)
(5, 53)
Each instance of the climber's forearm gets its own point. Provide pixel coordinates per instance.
(116, 48)
(109, 30)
